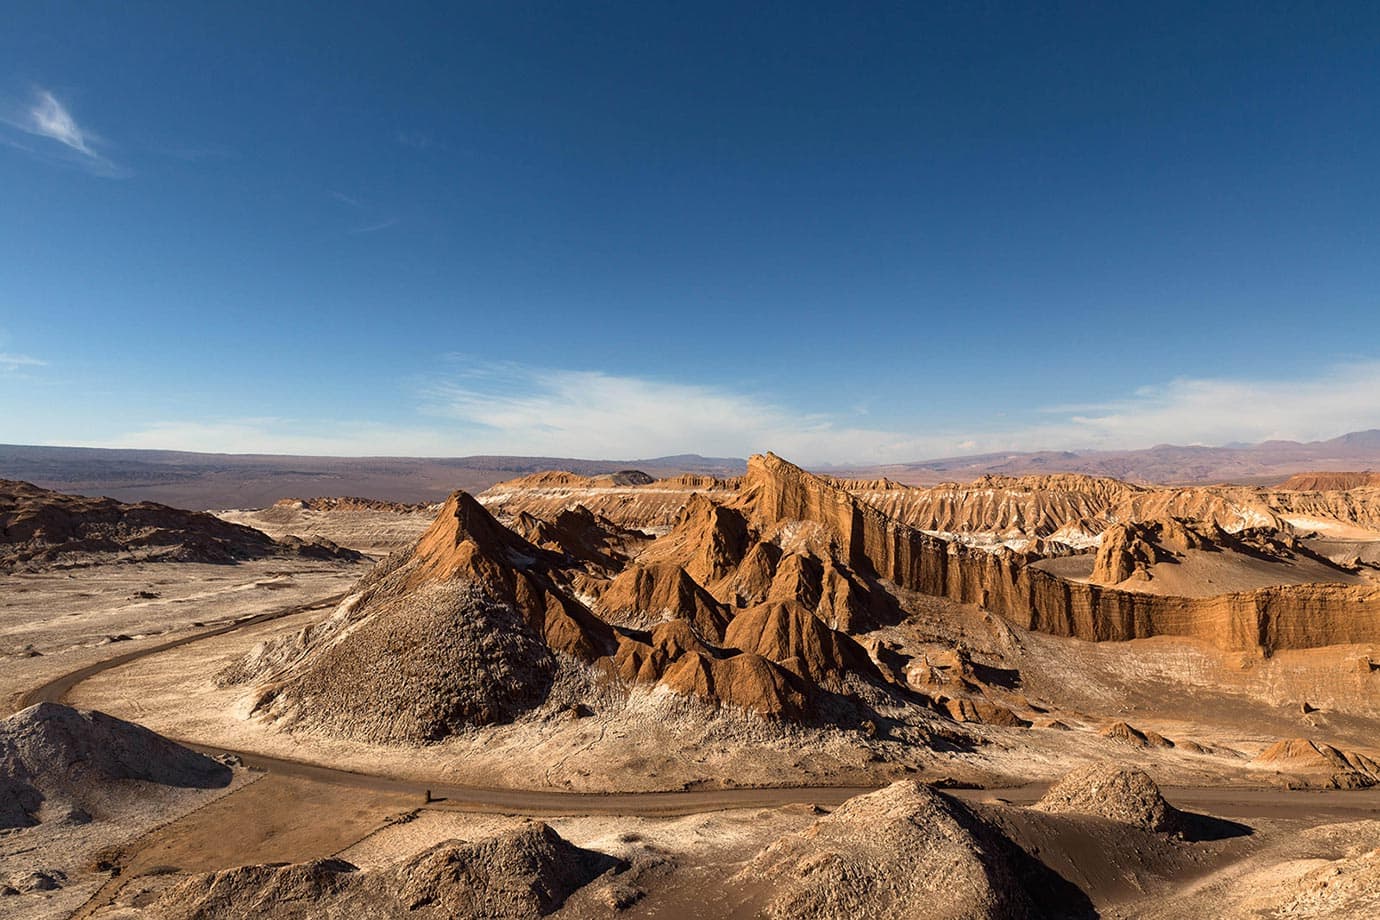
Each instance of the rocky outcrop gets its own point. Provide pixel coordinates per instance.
(526, 873)
(787, 632)
(53, 755)
(1320, 763)
(1126, 550)
(631, 499)
(675, 657)
(41, 529)
(642, 595)
(458, 631)
(985, 712)
(743, 681)
(351, 503)
(1329, 482)
(1125, 733)
(582, 536)
(1280, 617)
(466, 544)
(1131, 550)
(1116, 792)
(904, 851)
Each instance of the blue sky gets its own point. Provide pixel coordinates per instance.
(623, 230)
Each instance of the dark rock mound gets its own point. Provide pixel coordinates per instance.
(40, 528)
(1120, 793)
(522, 874)
(50, 751)
(904, 851)
(316, 547)
(418, 668)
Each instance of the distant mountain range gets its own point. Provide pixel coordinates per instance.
(200, 481)
(1168, 464)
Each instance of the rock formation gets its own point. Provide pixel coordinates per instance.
(458, 631)
(470, 626)
(1320, 764)
(1330, 482)
(631, 499)
(55, 759)
(40, 528)
(748, 600)
(1141, 553)
(583, 536)
(1128, 550)
(904, 851)
(521, 874)
(1004, 582)
(1113, 791)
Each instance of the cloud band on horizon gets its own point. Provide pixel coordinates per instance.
(515, 409)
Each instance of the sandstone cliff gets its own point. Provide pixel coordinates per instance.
(1288, 616)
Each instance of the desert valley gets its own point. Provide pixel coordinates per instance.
(715, 461)
(775, 693)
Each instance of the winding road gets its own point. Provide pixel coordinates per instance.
(1225, 801)
(295, 779)
(536, 802)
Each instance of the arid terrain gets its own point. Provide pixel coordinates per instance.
(764, 692)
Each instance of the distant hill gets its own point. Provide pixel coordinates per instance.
(200, 481)
(1266, 463)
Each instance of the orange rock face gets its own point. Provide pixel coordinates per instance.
(750, 597)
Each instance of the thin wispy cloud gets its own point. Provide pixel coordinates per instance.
(375, 227)
(344, 198)
(417, 140)
(589, 413)
(1217, 410)
(274, 435)
(49, 118)
(10, 362)
(574, 412)
(509, 408)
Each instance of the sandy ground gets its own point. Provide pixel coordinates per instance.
(683, 867)
(649, 740)
(72, 617)
(127, 812)
(1231, 704)
(1199, 573)
(1230, 707)
(52, 623)
(377, 533)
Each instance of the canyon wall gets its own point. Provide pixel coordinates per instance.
(1269, 619)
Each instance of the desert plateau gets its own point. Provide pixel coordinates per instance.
(779, 693)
